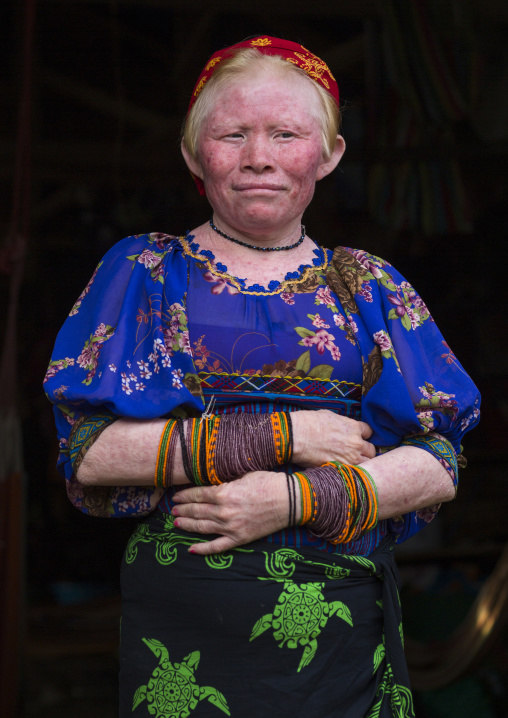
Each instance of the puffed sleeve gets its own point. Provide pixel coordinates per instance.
(124, 351)
(413, 383)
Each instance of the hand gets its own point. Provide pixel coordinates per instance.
(321, 436)
(241, 511)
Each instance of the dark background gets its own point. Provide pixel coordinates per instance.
(424, 89)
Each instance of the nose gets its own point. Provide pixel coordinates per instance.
(258, 154)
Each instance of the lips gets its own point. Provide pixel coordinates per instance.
(259, 187)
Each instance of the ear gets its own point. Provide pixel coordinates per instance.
(192, 163)
(327, 166)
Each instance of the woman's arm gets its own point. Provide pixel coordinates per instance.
(125, 454)
(406, 478)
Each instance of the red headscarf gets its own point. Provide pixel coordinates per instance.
(315, 68)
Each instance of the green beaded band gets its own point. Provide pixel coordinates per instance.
(308, 502)
(160, 464)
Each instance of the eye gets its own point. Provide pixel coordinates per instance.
(286, 135)
(235, 135)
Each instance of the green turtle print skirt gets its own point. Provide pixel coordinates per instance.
(258, 631)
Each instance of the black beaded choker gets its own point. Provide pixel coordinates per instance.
(253, 246)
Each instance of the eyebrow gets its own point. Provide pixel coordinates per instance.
(286, 123)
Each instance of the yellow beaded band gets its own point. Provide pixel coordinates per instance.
(308, 503)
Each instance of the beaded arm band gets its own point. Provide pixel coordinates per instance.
(223, 448)
(338, 502)
(166, 453)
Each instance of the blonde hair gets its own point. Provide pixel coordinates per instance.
(242, 61)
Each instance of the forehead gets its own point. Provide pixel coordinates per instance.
(265, 92)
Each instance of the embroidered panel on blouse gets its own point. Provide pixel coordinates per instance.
(272, 345)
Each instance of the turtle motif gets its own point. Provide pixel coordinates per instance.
(172, 691)
(299, 616)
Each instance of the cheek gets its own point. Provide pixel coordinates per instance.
(302, 165)
(216, 164)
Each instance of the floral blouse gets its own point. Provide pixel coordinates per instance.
(161, 328)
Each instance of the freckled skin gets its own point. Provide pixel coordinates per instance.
(260, 155)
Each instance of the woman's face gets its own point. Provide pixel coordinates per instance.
(260, 153)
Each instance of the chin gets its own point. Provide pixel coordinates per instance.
(259, 215)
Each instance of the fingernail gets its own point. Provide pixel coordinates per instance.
(175, 523)
(174, 511)
(192, 550)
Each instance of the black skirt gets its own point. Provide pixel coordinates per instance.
(258, 631)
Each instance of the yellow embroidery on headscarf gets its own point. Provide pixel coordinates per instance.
(314, 67)
(200, 86)
(318, 59)
(261, 41)
(212, 62)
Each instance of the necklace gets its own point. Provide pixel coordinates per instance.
(253, 246)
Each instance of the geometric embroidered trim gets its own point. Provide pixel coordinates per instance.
(85, 433)
(304, 387)
(438, 447)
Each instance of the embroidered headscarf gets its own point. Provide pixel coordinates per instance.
(298, 55)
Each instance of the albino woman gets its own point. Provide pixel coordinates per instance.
(279, 415)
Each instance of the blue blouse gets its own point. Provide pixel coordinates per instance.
(161, 328)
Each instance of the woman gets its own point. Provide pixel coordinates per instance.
(272, 590)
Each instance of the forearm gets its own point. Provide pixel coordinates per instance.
(407, 479)
(201, 451)
(260, 503)
(341, 502)
(125, 454)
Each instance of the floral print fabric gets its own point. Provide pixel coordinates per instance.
(145, 329)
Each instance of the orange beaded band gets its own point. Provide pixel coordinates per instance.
(224, 447)
(283, 437)
(339, 502)
(308, 502)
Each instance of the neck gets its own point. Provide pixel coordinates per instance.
(257, 247)
(254, 266)
(267, 240)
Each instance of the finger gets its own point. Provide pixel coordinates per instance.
(197, 495)
(200, 526)
(365, 430)
(368, 450)
(196, 511)
(218, 545)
